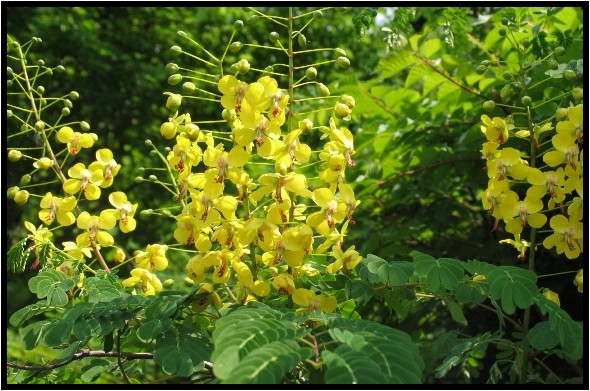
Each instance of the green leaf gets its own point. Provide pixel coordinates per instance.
(67, 353)
(93, 371)
(444, 271)
(31, 335)
(26, 313)
(18, 255)
(515, 287)
(542, 337)
(454, 309)
(570, 332)
(269, 363)
(58, 332)
(160, 309)
(359, 291)
(153, 328)
(347, 366)
(174, 346)
(470, 293)
(395, 63)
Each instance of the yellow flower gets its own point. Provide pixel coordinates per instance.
(507, 163)
(75, 140)
(496, 130)
(284, 284)
(234, 92)
(184, 155)
(579, 280)
(347, 260)
(566, 237)
(566, 149)
(124, 212)
(290, 246)
(95, 226)
(84, 180)
(573, 126)
(108, 165)
(190, 231)
(333, 211)
(154, 257)
(78, 249)
(281, 184)
(291, 152)
(39, 235)
(550, 295)
(61, 208)
(227, 164)
(520, 245)
(551, 182)
(207, 296)
(307, 298)
(525, 211)
(150, 284)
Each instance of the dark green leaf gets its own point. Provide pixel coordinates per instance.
(515, 287)
(359, 291)
(26, 313)
(57, 332)
(31, 335)
(67, 353)
(542, 337)
(93, 371)
(347, 366)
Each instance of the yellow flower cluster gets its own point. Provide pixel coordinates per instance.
(557, 186)
(258, 234)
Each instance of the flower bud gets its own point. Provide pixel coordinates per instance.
(68, 103)
(171, 67)
(570, 75)
(60, 68)
(502, 32)
(65, 111)
(85, 126)
(243, 66)
(174, 79)
(579, 280)
(14, 155)
(181, 34)
(138, 179)
(340, 52)
(8, 113)
(526, 43)
(269, 69)
(348, 101)
(41, 90)
(11, 192)
(505, 92)
(44, 163)
(480, 69)
(301, 40)
(238, 24)
(192, 131)
(317, 14)
(149, 143)
(323, 90)
(228, 115)
(273, 37)
(578, 93)
(342, 111)
(507, 76)
(168, 130)
(311, 73)
(176, 50)
(21, 197)
(489, 105)
(235, 46)
(9, 71)
(561, 114)
(168, 283)
(25, 180)
(305, 125)
(188, 87)
(74, 95)
(173, 102)
(343, 62)
(39, 126)
(559, 51)
(119, 255)
(252, 19)
(526, 100)
(153, 178)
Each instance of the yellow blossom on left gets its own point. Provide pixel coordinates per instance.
(150, 284)
(52, 207)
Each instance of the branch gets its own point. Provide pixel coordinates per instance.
(81, 355)
(91, 353)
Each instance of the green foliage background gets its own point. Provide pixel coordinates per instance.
(419, 170)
